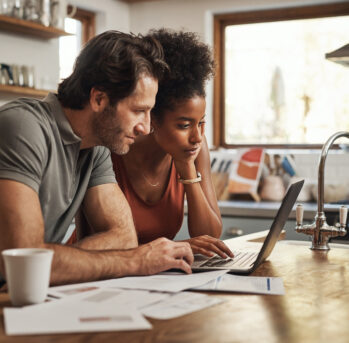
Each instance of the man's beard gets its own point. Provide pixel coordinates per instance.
(108, 129)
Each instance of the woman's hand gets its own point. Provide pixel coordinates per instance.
(208, 246)
(186, 169)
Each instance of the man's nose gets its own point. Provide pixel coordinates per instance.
(143, 127)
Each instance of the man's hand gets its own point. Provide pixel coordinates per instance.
(163, 254)
(208, 246)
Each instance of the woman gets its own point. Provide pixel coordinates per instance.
(173, 160)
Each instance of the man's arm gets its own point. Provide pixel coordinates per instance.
(22, 225)
(108, 218)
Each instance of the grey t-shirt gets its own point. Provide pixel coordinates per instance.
(39, 148)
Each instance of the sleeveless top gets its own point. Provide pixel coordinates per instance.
(162, 219)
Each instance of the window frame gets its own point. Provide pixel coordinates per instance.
(87, 19)
(221, 21)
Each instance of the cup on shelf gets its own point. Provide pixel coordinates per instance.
(31, 77)
(6, 7)
(17, 9)
(15, 75)
(25, 76)
(44, 12)
(6, 77)
(30, 10)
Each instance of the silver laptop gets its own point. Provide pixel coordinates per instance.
(245, 262)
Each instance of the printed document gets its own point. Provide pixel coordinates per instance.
(93, 311)
(180, 304)
(165, 282)
(245, 284)
(135, 298)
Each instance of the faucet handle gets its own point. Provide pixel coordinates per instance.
(299, 214)
(343, 212)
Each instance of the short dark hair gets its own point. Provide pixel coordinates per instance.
(190, 64)
(111, 62)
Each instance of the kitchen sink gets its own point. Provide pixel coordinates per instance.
(308, 243)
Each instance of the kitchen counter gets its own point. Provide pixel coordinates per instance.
(267, 209)
(246, 217)
(314, 309)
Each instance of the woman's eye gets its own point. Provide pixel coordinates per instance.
(183, 126)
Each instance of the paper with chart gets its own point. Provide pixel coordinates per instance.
(245, 284)
(180, 304)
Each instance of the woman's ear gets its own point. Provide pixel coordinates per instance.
(98, 100)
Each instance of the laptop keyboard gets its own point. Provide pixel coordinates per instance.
(240, 259)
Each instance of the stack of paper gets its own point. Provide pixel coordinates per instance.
(121, 304)
(100, 306)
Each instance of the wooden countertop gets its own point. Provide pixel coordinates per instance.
(315, 307)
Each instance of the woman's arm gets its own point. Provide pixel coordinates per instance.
(203, 213)
(204, 219)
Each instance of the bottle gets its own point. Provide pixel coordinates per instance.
(44, 12)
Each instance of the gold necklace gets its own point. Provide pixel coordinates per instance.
(151, 184)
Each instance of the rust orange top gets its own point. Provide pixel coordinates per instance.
(163, 219)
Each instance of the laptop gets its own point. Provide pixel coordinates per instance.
(245, 262)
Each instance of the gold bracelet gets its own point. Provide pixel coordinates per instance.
(190, 181)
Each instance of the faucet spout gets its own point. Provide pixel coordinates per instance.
(320, 231)
(321, 174)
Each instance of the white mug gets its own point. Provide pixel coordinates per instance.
(27, 272)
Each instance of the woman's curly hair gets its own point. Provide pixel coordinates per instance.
(190, 64)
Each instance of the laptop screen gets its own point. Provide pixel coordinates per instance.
(279, 221)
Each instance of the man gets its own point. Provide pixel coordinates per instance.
(54, 160)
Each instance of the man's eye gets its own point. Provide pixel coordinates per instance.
(202, 123)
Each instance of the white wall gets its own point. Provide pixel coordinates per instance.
(197, 16)
(193, 15)
(44, 55)
(111, 14)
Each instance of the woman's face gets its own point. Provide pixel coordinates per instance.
(181, 131)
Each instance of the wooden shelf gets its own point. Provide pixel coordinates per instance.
(23, 91)
(30, 28)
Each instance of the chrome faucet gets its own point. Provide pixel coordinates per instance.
(319, 229)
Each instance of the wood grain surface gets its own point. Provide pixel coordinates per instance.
(314, 309)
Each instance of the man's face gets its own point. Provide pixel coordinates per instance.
(116, 127)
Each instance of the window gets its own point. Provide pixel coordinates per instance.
(274, 86)
(81, 24)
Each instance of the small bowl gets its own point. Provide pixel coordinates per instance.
(332, 192)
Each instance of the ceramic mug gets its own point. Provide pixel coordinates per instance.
(273, 188)
(27, 272)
